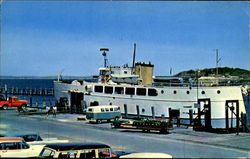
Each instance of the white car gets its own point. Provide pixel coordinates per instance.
(16, 147)
(32, 138)
(146, 155)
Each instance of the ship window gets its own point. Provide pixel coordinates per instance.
(130, 91)
(175, 91)
(108, 90)
(152, 92)
(141, 91)
(119, 90)
(99, 89)
(125, 72)
(162, 91)
(203, 92)
(188, 92)
(111, 109)
(218, 92)
(143, 110)
(107, 109)
(102, 109)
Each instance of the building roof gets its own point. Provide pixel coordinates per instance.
(75, 146)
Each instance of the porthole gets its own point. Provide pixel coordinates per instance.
(162, 91)
(203, 92)
(175, 92)
(218, 92)
(143, 110)
(188, 92)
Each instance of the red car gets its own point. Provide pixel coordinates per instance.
(13, 102)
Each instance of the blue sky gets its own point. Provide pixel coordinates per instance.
(46, 37)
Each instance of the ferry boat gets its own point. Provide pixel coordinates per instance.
(133, 89)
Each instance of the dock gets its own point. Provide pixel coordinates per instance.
(27, 91)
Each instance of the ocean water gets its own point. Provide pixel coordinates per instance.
(35, 100)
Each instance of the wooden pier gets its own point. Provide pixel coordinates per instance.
(28, 91)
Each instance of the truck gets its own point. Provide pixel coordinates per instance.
(13, 102)
(144, 124)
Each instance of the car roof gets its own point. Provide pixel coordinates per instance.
(104, 106)
(8, 139)
(75, 146)
(18, 133)
(146, 155)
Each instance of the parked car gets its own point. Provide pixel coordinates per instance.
(104, 112)
(76, 150)
(13, 102)
(32, 138)
(146, 155)
(16, 147)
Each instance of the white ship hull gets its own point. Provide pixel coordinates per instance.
(181, 98)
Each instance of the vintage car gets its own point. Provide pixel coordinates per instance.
(16, 147)
(146, 155)
(32, 138)
(76, 150)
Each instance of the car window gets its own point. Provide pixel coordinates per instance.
(104, 153)
(87, 154)
(47, 153)
(10, 146)
(70, 154)
(25, 145)
(90, 109)
(29, 138)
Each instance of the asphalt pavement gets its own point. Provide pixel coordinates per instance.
(181, 142)
(241, 141)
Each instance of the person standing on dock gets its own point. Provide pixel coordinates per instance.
(54, 110)
(48, 110)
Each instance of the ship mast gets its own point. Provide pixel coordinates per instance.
(104, 54)
(133, 63)
(217, 61)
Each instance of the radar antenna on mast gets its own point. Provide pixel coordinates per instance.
(104, 54)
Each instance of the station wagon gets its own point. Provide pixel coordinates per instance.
(76, 150)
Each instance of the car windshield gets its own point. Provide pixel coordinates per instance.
(29, 138)
(47, 153)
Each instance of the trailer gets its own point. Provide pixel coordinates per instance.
(146, 125)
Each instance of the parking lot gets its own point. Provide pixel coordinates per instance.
(180, 142)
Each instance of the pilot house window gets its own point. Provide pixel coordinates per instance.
(130, 91)
(99, 89)
(119, 90)
(152, 92)
(108, 90)
(141, 91)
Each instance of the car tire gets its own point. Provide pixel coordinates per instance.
(23, 106)
(98, 121)
(5, 107)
